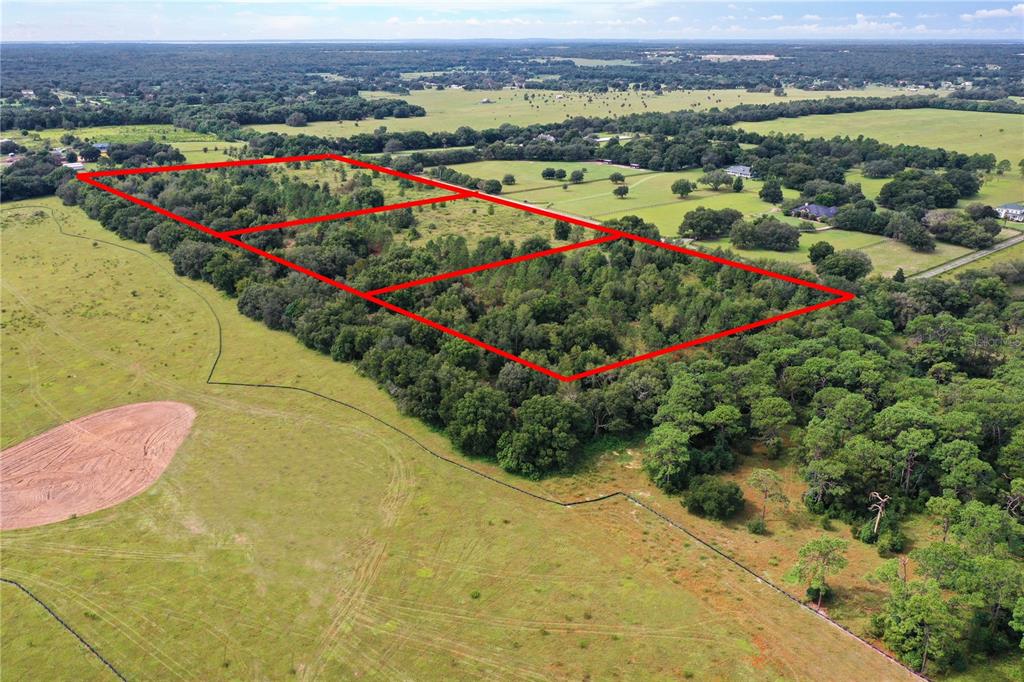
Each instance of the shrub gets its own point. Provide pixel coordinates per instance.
(708, 496)
(890, 542)
(757, 527)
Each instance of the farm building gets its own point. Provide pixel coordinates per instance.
(740, 171)
(1014, 212)
(814, 212)
(102, 146)
(74, 165)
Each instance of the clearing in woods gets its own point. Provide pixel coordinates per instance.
(295, 536)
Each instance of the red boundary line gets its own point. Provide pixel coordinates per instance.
(462, 193)
(344, 214)
(495, 264)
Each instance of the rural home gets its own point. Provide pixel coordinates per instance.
(1014, 212)
(740, 171)
(814, 212)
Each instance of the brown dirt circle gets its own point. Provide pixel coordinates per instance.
(90, 463)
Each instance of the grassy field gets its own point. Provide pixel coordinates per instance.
(329, 172)
(650, 197)
(887, 255)
(190, 143)
(968, 132)
(131, 133)
(1015, 252)
(30, 636)
(475, 219)
(999, 189)
(527, 173)
(449, 109)
(292, 536)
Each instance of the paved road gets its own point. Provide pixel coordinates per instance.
(969, 258)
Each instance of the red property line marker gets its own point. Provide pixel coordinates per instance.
(463, 193)
(323, 278)
(345, 214)
(495, 264)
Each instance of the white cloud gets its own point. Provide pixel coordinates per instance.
(925, 15)
(893, 15)
(773, 17)
(639, 21)
(674, 20)
(1015, 11)
(811, 17)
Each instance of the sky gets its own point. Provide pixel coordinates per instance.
(241, 20)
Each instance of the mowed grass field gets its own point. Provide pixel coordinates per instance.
(650, 197)
(968, 132)
(887, 255)
(1012, 253)
(197, 147)
(296, 537)
(449, 109)
(528, 173)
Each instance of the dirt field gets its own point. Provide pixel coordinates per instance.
(90, 463)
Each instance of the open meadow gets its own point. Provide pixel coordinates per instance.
(1012, 253)
(197, 147)
(968, 132)
(528, 173)
(296, 536)
(887, 255)
(448, 109)
(650, 197)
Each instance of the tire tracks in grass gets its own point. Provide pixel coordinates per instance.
(570, 504)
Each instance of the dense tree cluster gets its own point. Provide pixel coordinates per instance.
(764, 232)
(41, 173)
(34, 175)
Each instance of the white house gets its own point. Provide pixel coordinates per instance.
(1014, 212)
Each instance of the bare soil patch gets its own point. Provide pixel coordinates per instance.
(90, 463)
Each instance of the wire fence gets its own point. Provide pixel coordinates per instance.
(461, 465)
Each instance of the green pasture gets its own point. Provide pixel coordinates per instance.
(206, 151)
(968, 132)
(296, 537)
(527, 173)
(999, 189)
(887, 255)
(650, 197)
(1015, 252)
(475, 219)
(448, 109)
(130, 133)
(197, 147)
